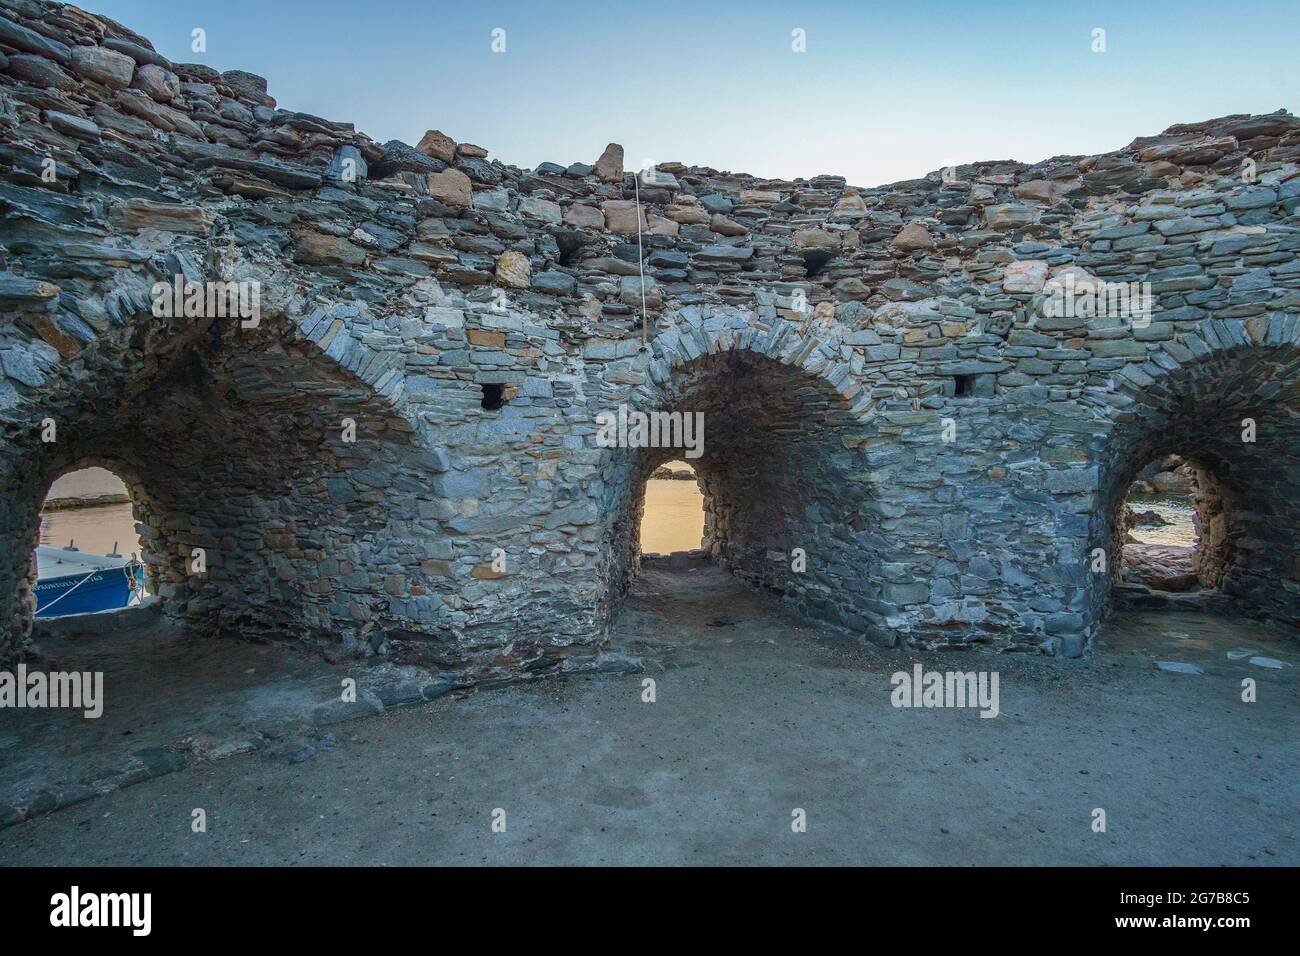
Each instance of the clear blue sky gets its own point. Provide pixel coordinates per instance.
(885, 91)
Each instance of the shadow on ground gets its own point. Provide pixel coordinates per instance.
(755, 716)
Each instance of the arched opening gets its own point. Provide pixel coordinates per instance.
(786, 502)
(89, 553)
(259, 472)
(672, 519)
(1171, 535)
(1227, 428)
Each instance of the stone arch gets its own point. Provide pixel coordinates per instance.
(694, 332)
(781, 467)
(239, 449)
(1193, 397)
(25, 489)
(147, 510)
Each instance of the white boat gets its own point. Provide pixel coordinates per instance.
(69, 581)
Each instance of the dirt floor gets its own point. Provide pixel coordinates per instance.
(755, 717)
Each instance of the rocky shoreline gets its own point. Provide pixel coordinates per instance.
(75, 503)
(672, 474)
(1161, 567)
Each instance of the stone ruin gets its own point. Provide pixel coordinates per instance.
(884, 382)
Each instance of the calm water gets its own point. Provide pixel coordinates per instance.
(674, 516)
(1178, 511)
(93, 529)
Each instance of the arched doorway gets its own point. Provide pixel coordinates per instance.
(258, 470)
(1233, 417)
(89, 553)
(673, 517)
(1173, 531)
(787, 506)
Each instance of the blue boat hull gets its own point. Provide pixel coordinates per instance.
(107, 590)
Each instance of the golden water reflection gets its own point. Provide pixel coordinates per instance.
(674, 514)
(93, 529)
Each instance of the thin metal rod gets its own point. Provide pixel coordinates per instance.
(640, 263)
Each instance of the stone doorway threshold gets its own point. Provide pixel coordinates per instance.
(677, 560)
(1130, 598)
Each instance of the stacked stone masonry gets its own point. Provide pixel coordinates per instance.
(880, 382)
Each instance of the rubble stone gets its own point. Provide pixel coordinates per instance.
(451, 186)
(609, 167)
(829, 334)
(438, 145)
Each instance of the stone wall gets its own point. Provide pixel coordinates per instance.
(883, 383)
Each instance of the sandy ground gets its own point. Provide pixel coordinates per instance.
(755, 717)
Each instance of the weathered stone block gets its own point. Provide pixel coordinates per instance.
(451, 186)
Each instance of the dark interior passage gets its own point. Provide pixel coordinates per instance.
(256, 475)
(786, 502)
(1235, 421)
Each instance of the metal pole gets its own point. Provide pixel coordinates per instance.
(640, 263)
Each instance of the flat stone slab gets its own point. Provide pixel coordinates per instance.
(1179, 667)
